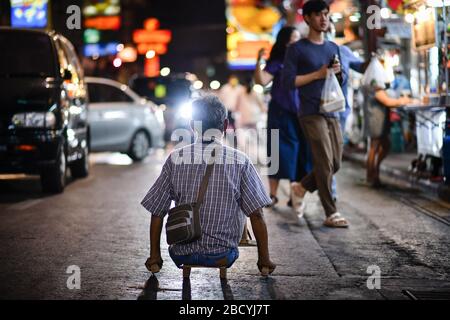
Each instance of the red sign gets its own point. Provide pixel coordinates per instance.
(159, 48)
(103, 23)
(157, 36)
(151, 68)
(151, 24)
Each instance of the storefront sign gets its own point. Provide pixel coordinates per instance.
(29, 13)
(103, 23)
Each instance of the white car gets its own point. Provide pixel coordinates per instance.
(121, 121)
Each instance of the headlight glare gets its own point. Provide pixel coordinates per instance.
(34, 120)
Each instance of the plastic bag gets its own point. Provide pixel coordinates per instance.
(332, 99)
(375, 75)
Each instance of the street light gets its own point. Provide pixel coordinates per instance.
(409, 18)
(150, 54)
(198, 85)
(214, 85)
(165, 71)
(117, 62)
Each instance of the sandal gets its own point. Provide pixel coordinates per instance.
(336, 221)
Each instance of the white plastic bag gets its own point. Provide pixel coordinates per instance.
(375, 75)
(332, 99)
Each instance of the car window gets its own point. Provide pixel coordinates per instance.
(72, 58)
(105, 93)
(62, 57)
(26, 54)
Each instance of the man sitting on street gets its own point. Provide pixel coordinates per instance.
(235, 190)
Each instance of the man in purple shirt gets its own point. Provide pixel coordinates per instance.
(305, 67)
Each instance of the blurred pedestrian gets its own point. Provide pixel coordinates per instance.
(377, 127)
(282, 114)
(348, 61)
(249, 108)
(235, 191)
(229, 94)
(305, 67)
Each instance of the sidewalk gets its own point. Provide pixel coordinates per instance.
(396, 165)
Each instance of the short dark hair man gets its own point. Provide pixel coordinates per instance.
(235, 191)
(305, 67)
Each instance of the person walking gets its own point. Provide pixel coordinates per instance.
(235, 191)
(348, 61)
(249, 107)
(229, 94)
(282, 114)
(305, 67)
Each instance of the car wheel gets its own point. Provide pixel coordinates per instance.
(139, 146)
(80, 168)
(53, 179)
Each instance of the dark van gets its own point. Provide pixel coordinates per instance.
(43, 107)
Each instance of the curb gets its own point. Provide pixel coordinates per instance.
(441, 190)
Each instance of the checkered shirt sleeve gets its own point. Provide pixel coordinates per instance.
(158, 199)
(253, 193)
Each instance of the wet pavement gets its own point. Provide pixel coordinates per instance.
(98, 225)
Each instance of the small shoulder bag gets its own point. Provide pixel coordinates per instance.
(183, 223)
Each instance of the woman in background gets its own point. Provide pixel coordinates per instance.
(282, 115)
(377, 125)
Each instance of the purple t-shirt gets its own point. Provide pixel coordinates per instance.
(283, 97)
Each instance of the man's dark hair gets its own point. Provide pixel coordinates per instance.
(314, 6)
(210, 111)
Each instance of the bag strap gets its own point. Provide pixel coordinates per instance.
(204, 184)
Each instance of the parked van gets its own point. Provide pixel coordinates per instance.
(43, 107)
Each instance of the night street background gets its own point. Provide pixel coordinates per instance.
(99, 225)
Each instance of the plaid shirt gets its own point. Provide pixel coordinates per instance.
(235, 190)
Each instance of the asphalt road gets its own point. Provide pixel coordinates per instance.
(98, 225)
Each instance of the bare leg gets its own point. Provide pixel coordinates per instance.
(382, 152)
(273, 184)
(370, 166)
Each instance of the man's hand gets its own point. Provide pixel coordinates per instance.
(336, 67)
(322, 72)
(261, 53)
(152, 262)
(404, 101)
(266, 264)
(155, 251)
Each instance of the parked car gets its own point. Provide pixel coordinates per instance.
(122, 121)
(43, 109)
(174, 92)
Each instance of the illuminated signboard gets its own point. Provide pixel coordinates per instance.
(91, 36)
(157, 36)
(159, 48)
(92, 50)
(93, 8)
(29, 13)
(103, 23)
(250, 27)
